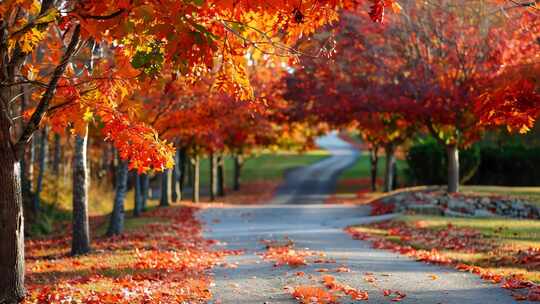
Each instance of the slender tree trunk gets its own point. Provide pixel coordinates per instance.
(164, 199)
(116, 224)
(220, 175)
(182, 173)
(138, 197)
(374, 161)
(11, 220)
(112, 165)
(238, 163)
(213, 177)
(80, 243)
(56, 166)
(189, 174)
(389, 169)
(57, 155)
(42, 160)
(28, 156)
(174, 177)
(145, 185)
(196, 178)
(453, 168)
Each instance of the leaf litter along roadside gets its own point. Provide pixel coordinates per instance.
(164, 261)
(464, 248)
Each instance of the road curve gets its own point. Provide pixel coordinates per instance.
(312, 184)
(298, 215)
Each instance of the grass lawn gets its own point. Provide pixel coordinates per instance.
(497, 245)
(357, 177)
(266, 166)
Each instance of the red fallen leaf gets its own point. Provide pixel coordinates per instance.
(313, 294)
(534, 293)
(400, 296)
(516, 284)
(387, 292)
(322, 270)
(343, 269)
(369, 278)
(300, 274)
(519, 297)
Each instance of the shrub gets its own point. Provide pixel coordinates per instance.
(514, 165)
(427, 163)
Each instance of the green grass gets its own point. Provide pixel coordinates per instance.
(362, 169)
(525, 232)
(263, 167)
(530, 194)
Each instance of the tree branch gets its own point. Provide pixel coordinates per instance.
(39, 113)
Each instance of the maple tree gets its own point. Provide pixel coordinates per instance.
(147, 35)
(453, 70)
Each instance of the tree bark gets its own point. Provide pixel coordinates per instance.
(213, 177)
(116, 224)
(389, 169)
(182, 173)
(57, 155)
(80, 243)
(11, 220)
(145, 184)
(164, 198)
(42, 161)
(453, 168)
(220, 175)
(196, 179)
(175, 177)
(26, 156)
(238, 163)
(138, 197)
(374, 162)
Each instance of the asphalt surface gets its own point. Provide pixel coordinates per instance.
(297, 214)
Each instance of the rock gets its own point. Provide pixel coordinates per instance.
(449, 212)
(428, 209)
(485, 201)
(460, 206)
(484, 213)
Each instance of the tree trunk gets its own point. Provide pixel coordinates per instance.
(174, 178)
(238, 163)
(389, 169)
(181, 173)
(42, 161)
(57, 155)
(26, 157)
(374, 161)
(11, 220)
(116, 224)
(196, 179)
(27, 179)
(453, 168)
(213, 177)
(220, 176)
(80, 243)
(164, 198)
(145, 184)
(138, 197)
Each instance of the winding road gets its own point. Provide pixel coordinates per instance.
(298, 213)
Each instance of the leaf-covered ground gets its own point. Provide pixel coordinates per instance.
(505, 252)
(161, 259)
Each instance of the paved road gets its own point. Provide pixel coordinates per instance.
(319, 227)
